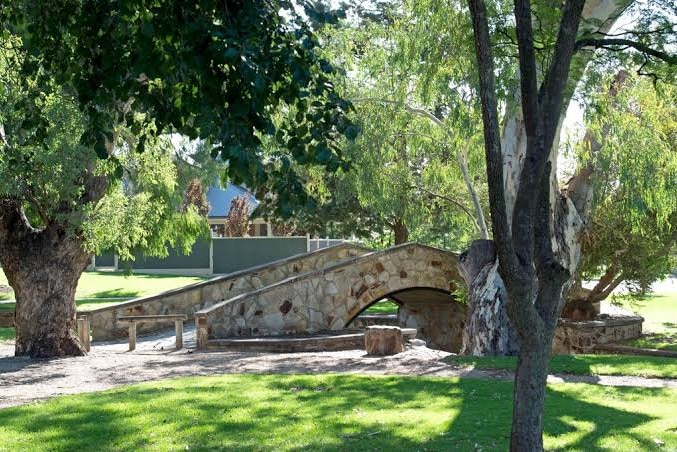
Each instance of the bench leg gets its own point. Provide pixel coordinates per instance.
(132, 336)
(87, 336)
(178, 327)
(83, 333)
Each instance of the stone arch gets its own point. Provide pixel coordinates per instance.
(398, 301)
(434, 312)
(328, 298)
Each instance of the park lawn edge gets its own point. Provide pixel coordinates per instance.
(593, 365)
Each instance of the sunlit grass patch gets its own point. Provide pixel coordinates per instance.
(638, 366)
(335, 412)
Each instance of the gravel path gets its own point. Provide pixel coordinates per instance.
(109, 365)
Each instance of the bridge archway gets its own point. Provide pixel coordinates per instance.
(437, 315)
(330, 297)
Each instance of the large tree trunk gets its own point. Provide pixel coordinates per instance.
(401, 232)
(43, 267)
(528, 399)
(487, 329)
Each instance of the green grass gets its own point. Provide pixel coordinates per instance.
(117, 285)
(331, 412)
(660, 320)
(637, 366)
(382, 307)
(86, 304)
(101, 289)
(6, 334)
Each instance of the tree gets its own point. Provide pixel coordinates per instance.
(633, 226)
(61, 204)
(416, 166)
(209, 69)
(533, 225)
(195, 196)
(237, 220)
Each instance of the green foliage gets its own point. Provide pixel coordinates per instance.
(634, 222)
(216, 70)
(336, 412)
(411, 89)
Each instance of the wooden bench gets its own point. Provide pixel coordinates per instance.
(134, 319)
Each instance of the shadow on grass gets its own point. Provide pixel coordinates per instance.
(327, 412)
(116, 293)
(666, 340)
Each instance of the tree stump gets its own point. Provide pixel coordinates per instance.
(383, 340)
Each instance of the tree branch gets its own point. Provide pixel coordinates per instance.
(450, 200)
(414, 110)
(605, 42)
(492, 140)
(527, 64)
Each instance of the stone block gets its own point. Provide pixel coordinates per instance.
(383, 340)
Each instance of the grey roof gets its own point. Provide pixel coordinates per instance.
(219, 199)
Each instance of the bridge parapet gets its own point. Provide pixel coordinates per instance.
(328, 298)
(189, 299)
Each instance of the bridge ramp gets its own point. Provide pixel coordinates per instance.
(189, 299)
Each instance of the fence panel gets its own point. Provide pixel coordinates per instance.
(105, 260)
(318, 244)
(198, 259)
(233, 254)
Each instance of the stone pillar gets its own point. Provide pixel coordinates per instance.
(383, 340)
(439, 324)
(201, 332)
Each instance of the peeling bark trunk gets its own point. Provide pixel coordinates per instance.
(43, 267)
(487, 330)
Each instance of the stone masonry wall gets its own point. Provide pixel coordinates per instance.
(187, 300)
(328, 299)
(582, 337)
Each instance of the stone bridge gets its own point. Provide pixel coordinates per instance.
(188, 299)
(419, 278)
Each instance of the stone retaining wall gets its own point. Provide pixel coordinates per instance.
(189, 299)
(328, 299)
(582, 337)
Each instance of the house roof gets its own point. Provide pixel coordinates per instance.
(219, 199)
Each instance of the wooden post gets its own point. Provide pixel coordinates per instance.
(178, 327)
(132, 336)
(83, 332)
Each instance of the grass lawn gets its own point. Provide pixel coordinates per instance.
(637, 366)
(112, 287)
(100, 289)
(331, 412)
(382, 307)
(660, 320)
(6, 334)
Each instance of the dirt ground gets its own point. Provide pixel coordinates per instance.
(110, 365)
